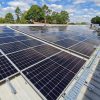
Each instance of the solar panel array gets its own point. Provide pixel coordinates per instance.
(69, 39)
(48, 68)
(21, 49)
(53, 75)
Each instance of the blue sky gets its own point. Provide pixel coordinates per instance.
(79, 10)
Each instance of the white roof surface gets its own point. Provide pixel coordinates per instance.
(24, 90)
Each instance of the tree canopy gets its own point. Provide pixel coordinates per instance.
(18, 14)
(9, 18)
(2, 20)
(95, 20)
(36, 14)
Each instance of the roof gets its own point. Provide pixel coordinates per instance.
(47, 59)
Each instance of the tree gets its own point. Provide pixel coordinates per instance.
(35, 13)
(49, 19)
(64, 17)
(60, 18)
(23, 19)
(18, 14)
(2, 20)
(95, 20)
(47, 12)
(9, 18)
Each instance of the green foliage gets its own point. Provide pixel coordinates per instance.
(64, 17)
(60, 18)
(9, 18)
(37, 14)
(18, 14)
(23, 19)
(47, 13)
(95, 20)
(2, 20)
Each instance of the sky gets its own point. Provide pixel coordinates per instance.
(79, 10)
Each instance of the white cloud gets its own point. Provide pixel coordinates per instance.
(75, 12)
(97, 2)
(22, 5)
(54, 0)
(71, 9)
(8, 9)
(5, 10)
(79, 1)
(84, 15)
(56, 7)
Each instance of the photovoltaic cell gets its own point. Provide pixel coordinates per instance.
(6, 68)
(12, 47)
(14, 34)
(25, 58)
(8, 30)
(51, 77)
(94, 42)
(46, 50)
(67, 60)
(0, 54)
(79, 38)
(22, 38)
(3, 35)
(32, 43)
(6, 40)
(84, 48)
(66, 43)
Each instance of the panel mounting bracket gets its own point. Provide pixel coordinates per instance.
(12, 88)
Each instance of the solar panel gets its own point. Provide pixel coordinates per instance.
(7, 30)
(51, 77)
(12, 47)
(6, 68)
(84, 48)
(66, 43)
(22, 37)
(14, 34)
(49, 37)
(67, 60)
(94, 42)
(0, 53)
(79, 38)
(46, 50)
(25, 58)
(3, 35)
(32, 42)
(6, 40)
